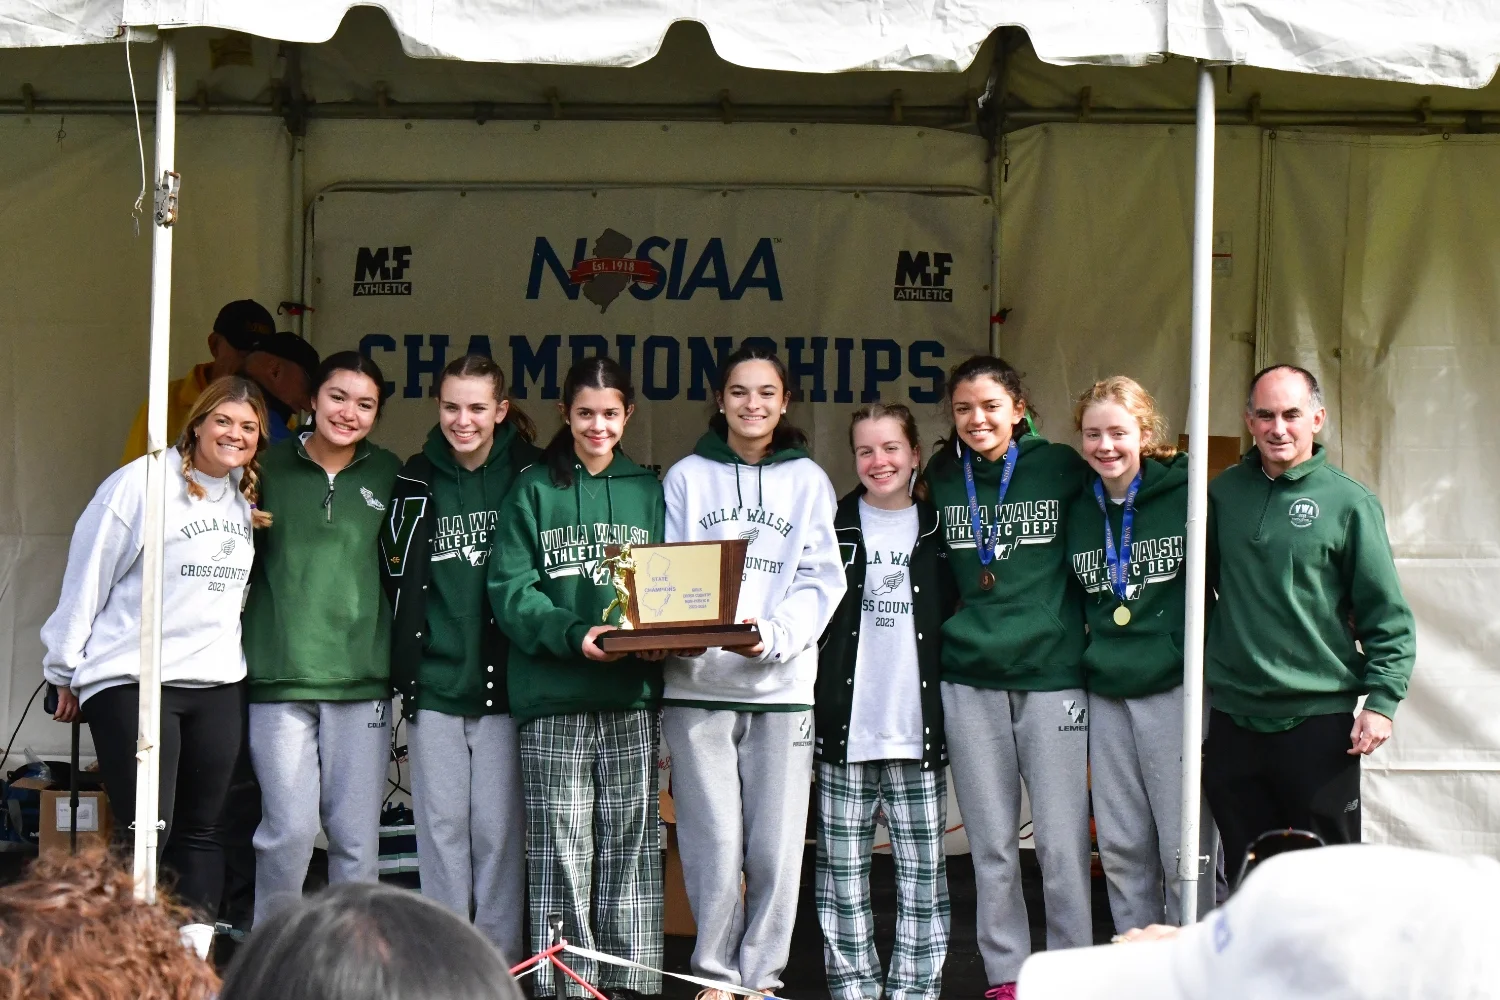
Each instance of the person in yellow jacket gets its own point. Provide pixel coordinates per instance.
(236, 329)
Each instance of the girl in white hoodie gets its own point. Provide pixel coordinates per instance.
(93, 639)
(739, 721)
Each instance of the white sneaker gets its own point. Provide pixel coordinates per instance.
(197, 938)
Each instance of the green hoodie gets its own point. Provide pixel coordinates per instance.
(1025, 634)
(548, 586)
(317, 624)
(451, 677)
(1303, 568)
(1144, 656)
(714, 446)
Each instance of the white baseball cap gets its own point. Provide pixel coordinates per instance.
(1337, 923)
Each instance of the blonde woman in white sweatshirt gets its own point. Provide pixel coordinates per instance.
(93, 639)
(739, 721)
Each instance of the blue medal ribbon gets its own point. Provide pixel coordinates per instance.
(1119, 561)
(984, 542)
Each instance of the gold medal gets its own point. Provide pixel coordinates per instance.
(1122, 616)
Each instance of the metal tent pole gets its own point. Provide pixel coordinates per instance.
(148, 751)
(1188, 863)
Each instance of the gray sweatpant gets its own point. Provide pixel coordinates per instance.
(1135, 754)
(995, 740)
(470, 807)
(741, 782)
(318, 763)
(1135, 757)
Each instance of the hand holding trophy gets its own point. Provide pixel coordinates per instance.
(677, 597)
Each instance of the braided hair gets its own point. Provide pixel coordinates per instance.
(229, 389)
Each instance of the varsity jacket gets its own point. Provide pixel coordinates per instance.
(934, 595)
(433, 648)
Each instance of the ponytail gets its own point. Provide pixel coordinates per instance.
(479, 366)
(598, 372)
(786, 434)
(229, 389)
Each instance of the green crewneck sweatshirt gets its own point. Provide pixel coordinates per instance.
(1303, 569)
(466, 506)
(317, 625)
(549, 586)
(1026, 633)
(1143, 656)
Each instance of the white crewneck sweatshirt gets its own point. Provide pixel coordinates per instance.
(93, 639)
(793, 580)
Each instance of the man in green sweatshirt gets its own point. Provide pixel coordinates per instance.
(1309, 618)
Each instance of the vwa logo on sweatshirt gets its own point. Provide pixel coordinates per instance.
(1152, 560)
(1026, 522)
(579, 549)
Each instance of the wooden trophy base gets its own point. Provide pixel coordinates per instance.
(669, 637)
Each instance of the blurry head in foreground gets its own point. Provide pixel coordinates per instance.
(367, 942)
(1339, 923)
(73, 928)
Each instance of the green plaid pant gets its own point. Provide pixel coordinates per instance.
(592, 843)
(915, 803)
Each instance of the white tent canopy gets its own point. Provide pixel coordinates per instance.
(1457, 45)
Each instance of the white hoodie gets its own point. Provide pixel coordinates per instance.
(93, 639)
(793, 580)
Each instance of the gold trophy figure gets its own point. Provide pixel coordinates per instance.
(619, 565)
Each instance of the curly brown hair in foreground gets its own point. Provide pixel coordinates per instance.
(73, 928)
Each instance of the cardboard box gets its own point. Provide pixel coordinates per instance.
(677, 911)
(94, 821)
(1223, 452)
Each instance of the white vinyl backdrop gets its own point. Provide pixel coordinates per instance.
(816, 273)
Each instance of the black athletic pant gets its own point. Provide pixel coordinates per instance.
(200, 738)
(1303, 778)
(241, 817)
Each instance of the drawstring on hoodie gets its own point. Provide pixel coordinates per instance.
(760, 481)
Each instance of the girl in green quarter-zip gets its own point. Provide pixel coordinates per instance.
(587, 718)
(318, 641)
(739, 721)
(1125, 538)
(448, 654)
(1014, 707)
(880, 720)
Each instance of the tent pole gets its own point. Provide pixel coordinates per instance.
(298, 217)
(1188, 862)
(148, 751)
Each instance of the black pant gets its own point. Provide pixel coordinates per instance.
(1303, 778)
(200, 738)
(241, 817)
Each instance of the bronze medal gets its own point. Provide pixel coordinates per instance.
(1122, 616)
(986, 579)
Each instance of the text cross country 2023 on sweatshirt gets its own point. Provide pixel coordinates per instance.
(93, 639)
(783, 506)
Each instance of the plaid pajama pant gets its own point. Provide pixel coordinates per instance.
(593, 844)
(916, 811)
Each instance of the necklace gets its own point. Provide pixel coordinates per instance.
(224, 490)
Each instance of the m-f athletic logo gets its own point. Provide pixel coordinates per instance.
(922, 276)
(379, 271)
